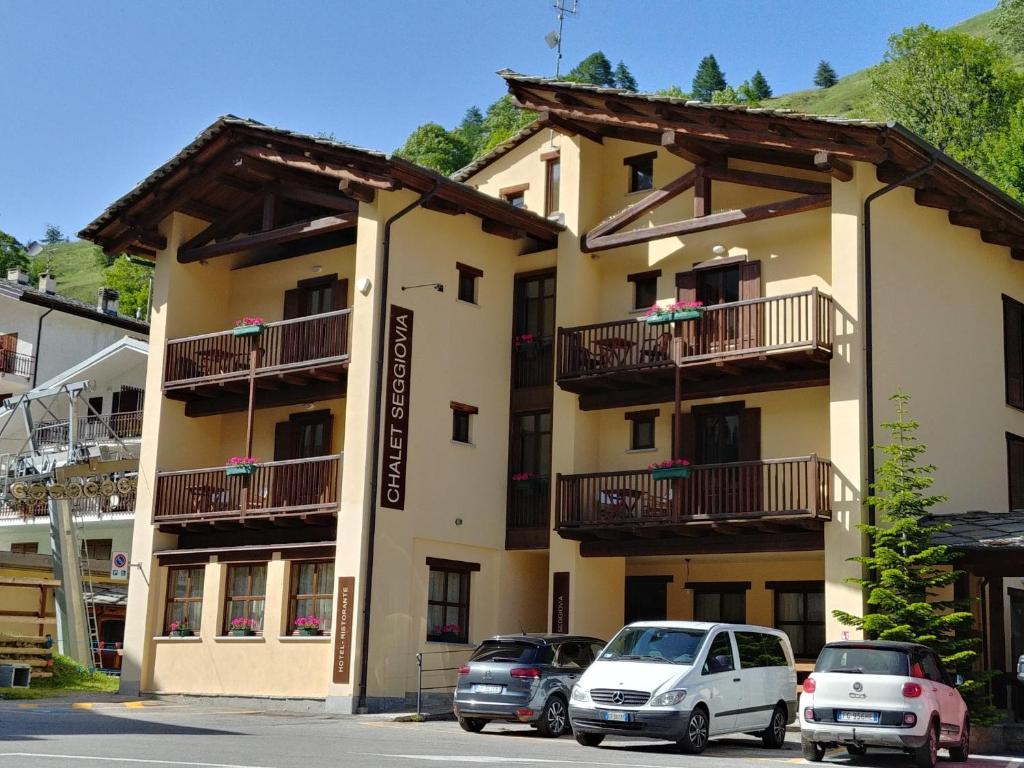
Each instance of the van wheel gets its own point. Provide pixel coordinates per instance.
(927, 755)
(855, 751)
(962, 751)
(472, 724)
(774, 735)
(695, 737)
(590, 739)
(554, 718)
(813, 752)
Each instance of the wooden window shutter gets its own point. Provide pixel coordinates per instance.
(130, 399)
(1015, 470)
(339, 294)
(750, 280)
(750, 434)
(1013, 352)
(689, 437)
(291, 304)
(9, 343)
(686, 286)
(286, 438)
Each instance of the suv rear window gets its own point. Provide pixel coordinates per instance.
(520, 653)
(863, 660)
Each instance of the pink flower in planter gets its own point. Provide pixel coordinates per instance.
(670, 464)
(238, 461)
(249, 320)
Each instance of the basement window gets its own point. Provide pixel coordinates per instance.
(461, 422)
(641, 171)
(468, 282)
(645, 288)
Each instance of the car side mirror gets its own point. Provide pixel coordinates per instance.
(1020, 669)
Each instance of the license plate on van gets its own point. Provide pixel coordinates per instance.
(487, 688)
(617, 717)
(857, 717)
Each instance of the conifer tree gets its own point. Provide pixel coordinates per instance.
(624, 78)
(906, 569)
(759, 87)
(824, 75)
(594, 69)
(709, 78)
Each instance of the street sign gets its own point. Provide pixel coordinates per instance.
(119, 565)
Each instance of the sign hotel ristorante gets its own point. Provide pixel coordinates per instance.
(343, 629)
(396, 408)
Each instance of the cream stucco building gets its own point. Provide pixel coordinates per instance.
(436, 466)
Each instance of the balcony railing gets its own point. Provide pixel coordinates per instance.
(533, 365)
(275, 488)
(282, 346)
(794, 487)
(739, 329)
(528, 504)
(91, 429)
(85, 505)
(19, 365)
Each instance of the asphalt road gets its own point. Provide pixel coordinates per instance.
(47, 735)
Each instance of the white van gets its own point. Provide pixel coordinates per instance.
(685, 681)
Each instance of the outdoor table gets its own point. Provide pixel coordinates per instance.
(613, 350)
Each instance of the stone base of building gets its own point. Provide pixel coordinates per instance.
(1002, 739)
(264, 703)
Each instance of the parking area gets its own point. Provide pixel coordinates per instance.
(47, 735)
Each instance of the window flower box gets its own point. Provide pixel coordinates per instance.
(180, 629)
(240, 465)
(527, 483)
(450, 633)
(248, 326)
(680, 310)
(670, 469)
(242, 627)
(307, 626)
(526, 345)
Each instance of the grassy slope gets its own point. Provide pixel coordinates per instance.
(851, 96)
(76, 266)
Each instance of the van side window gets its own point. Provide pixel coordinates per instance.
(760, 650)
(720, 657)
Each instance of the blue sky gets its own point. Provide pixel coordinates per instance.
(95, 95)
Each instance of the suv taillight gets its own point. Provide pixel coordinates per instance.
(809, 685)
(464, 670)
(525, 672)
(911, 690)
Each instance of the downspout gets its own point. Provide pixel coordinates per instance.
(869, 390)
(39, 336)
(378, 408)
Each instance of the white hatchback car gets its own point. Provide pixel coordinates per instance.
(883, 694)
(685, 681)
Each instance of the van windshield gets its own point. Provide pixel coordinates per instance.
(669, 645)
(863, 660)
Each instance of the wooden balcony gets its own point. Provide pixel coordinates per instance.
(746, 346)
(290, 361)
(744, 506)
(91, 429)
(276, 493)
(528, 515)
(18, 365)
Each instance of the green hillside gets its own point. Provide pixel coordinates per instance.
(851, 96)
(77, 265)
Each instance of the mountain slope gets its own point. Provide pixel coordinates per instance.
(76, 265)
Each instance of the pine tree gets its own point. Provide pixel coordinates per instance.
(709, 78)
(471, 130)
(624, 78)
(760, 88)
(594, 69)
(54, 235)
(824, 75)
(906, 569)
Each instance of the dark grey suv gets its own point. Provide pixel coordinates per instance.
(523, 679)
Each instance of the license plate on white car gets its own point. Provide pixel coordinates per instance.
(857, 717)
(617, 717)
(487, 688)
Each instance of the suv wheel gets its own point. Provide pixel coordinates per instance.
(695, 738)
(590, 739)
(812, 751)
(962, 751)
(927, 755)
(554, 718)
(856, 751)
(774, 735)
(472, 724)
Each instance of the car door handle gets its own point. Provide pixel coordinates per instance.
(736, 679)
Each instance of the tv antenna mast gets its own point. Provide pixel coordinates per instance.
(554, 39)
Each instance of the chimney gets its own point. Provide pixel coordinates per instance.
(107, 301)
(17, 275)
(47, 283)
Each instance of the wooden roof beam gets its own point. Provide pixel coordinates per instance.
(974, 220)
(227, 225)
(931, 198)
(546, 119)
(357, 191)
(320, 197)
(444, 206)
(649, 202)
(890, 173)
(286, 234)
(492, 227)
(1013, 240)
(1017, 254)
(830, 164)
(320, 168)
(688, 150)
(768, 181)
(712, 221)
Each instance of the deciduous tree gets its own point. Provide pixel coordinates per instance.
(432, 146)
(131, 281)
(1003, 155)
(12, 254)
(1009, 24)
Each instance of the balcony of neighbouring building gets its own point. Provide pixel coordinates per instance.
(528, 516)
(289, 361)
(275, 493)
(741, 506)
(740, 347)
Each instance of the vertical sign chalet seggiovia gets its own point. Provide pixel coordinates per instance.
(396, 405)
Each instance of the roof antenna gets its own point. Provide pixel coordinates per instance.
(554, 39)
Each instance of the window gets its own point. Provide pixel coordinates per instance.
(468, 282)
(1015, 469)
(95, 409)
(645, 288)
(800, 613)
(461, 414)
(552, 182)
(312, 589)
(641, 429)
(448, 600)
(1013, 351)
(725, 605)
(515, 196)
(184, 597)
(246, 594)
(760, 650)
(641, 171)
(25, 548)
(97, 549)
(720, 658)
